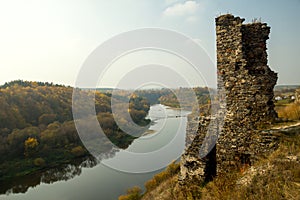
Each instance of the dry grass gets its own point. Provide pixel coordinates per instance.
(160, 185)
(163, 190)
(170, 189)
(275, 177)
(291, 111)
(161, 177)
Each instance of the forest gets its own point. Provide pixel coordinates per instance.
(37, 130)
(169, 97)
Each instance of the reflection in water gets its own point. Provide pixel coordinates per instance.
(102, 144)
(100, 182)
(66, 173)
(60, 173)
(98, 143)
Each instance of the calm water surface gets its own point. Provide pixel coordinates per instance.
(102, 182)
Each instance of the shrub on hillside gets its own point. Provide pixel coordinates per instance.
(134, 193)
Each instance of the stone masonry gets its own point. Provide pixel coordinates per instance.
(192, 167)
(246, 84)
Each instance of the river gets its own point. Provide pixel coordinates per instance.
(102, 182)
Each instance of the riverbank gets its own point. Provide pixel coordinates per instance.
(28, 166)
(102, 180)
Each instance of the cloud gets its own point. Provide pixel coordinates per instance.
(182, 9)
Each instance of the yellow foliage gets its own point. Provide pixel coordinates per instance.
(132, 194)
(31, 143)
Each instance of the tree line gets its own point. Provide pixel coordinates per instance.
(37, 128)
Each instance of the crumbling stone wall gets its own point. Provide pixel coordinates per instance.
(193, 168)
(246, 84)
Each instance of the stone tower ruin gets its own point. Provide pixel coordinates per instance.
(246, 84)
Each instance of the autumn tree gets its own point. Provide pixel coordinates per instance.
(30, 146)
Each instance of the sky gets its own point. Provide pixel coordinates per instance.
(50, 40)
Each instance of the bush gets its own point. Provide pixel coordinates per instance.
(47, 119)
(39, 162)
(134, 193)
(78, 151)
(151, 184)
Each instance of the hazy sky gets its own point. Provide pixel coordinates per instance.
(49, 40)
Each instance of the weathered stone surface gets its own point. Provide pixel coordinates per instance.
(245, 83)
(193, 168)
(249, 95)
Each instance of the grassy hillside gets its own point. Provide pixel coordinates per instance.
(277, 176)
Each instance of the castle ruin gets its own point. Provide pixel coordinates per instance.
(246, 84)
